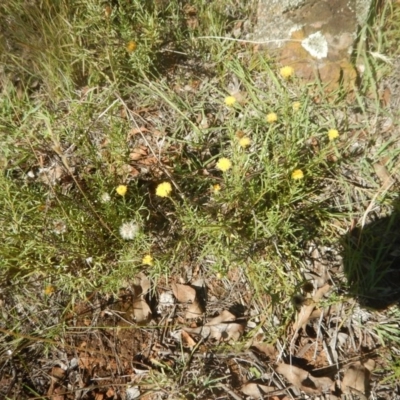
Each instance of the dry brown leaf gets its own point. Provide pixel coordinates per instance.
(183, 293)
(84, 362)
(57, 372)
(141, 284)
(356, 378)
(225, 316)
(138, 152)
(135, 131)
(149, 161)
(302, 379)
(256, 390)
(57, 394)
(227, 331)
(51, 175)
(127, 170)
(265, 348)
(306, 310)
(135, 156)
(187, 340)
(223, 327)
(220, 332)
(203, 331)
(141, 311)
(195, 310)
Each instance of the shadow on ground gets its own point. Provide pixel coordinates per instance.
(371, 257)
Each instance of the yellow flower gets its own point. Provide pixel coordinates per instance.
(147, 260)
(296, 106)
(131, 46)
(271, 118)
(230, 101)
(121, 190)
(49, 290)
(224, 164)
(164, 189)
(297, 174)
(286, 72)
(333, 134)
(244, 142)
(216, 188)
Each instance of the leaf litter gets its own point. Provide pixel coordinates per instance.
(145, 339)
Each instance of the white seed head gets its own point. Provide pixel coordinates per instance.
(128, 230)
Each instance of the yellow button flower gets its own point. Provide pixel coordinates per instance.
(131, 46)
(271, 118)
(49, 290)
(333, 134)
(216, 188)
(297, 174)
(224, 164)
(286, 72)
(164, 189)
(121, 190)
(147, 260)
(230, 101)
(244, 142)
(296, 106)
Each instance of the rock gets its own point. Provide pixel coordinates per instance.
(315, 37)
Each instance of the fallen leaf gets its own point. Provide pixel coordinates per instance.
(306, 310)
(221, 328)
(226, 332)
(225, 316)
(57, 372)
(183, 293)
(195, 310)
(141, 311)
(265, 348)
(303, 380)
(357, 377)
(149, 161)
(136, 131)
(141, 284)
(187, 340)
(256, 390)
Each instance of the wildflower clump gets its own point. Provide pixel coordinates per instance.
(230, 101)
(129, 230)
(244, 142)
(297, 174)
(147, 260)
(333, 134)
(271, 118)
(164, 189)
(131, 46)
(286, 72)
(224, 164)
(121, 190)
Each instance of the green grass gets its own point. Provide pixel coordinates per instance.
(76, 103)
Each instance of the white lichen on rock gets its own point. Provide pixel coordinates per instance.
(316, 44)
